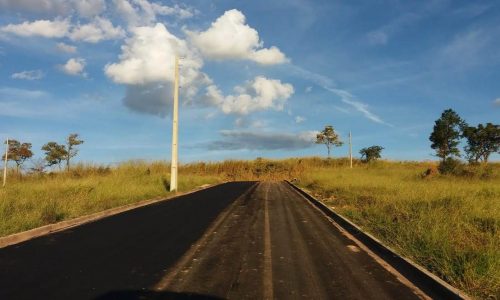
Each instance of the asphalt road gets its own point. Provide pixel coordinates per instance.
(240, 240)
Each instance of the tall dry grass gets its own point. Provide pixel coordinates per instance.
(37, 200)
(448, 224)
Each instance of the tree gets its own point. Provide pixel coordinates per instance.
(328, 137)
(19, 153)
(54, 153)
(446, 134)
(371, 153)
(71, 142)
(482, 141)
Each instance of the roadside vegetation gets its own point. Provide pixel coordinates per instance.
(38, 199)
(448, 224)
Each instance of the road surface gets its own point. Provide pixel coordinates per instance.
(240, 240)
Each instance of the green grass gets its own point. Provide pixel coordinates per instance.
(450, 225)
(35, 201)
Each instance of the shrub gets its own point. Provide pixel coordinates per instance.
(451, 166)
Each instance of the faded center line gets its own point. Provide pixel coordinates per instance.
(268, 268)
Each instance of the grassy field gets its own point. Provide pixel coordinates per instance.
(448, 224)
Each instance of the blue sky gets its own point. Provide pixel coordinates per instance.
(258, 78)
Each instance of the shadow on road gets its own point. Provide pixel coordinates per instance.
(129, 251)
(153, 295)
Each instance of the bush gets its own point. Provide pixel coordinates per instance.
(451, 166)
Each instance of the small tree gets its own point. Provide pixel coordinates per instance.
(71, 142)
(54, 153)
(482, 141)
(19, 153)
(329, 137)
(446, 134)
(371, 153)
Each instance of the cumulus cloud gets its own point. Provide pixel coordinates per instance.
(146, 66)
(65, 48)
(249, 140)
(229, 37)
(28, 75)
(99, 29)
(148, 57)
(74, 66)
(152, 98)
(258, 94)
(496, 102)
(46, 28)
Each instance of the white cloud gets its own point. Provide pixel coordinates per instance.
(50, 29)
(74, 66)
(349, 99)
(99, 29)
(229, 37)
(66, 48)
(37, 6)
(249, 140)
(90, 8)
(28, 75)
(469, 49)
(496, 101)
(146, 66)
(299, 119)
(143, 12)
(182, 13)
(258, 94)
(346, 97)
(308, 89)
(148, 57)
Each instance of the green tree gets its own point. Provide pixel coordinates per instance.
(19, 153)
(71, 142)
(482, 141)
(445, 136)
(329, 137)
(54, 153)
(371, 153)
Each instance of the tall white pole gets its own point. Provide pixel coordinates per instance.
(350, 147)
(5, 162)
(175, 120)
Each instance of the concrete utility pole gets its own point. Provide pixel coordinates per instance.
(175, 121)
(350, 147)
(5, 162)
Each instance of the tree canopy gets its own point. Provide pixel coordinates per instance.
(329, 137)
(371, 153)
(54, 153)
(19, 152)
(72, 151)
(446, 134)
(482, 141)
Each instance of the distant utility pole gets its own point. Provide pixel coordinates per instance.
(175, 121)
(5, 162)
(350, 147)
